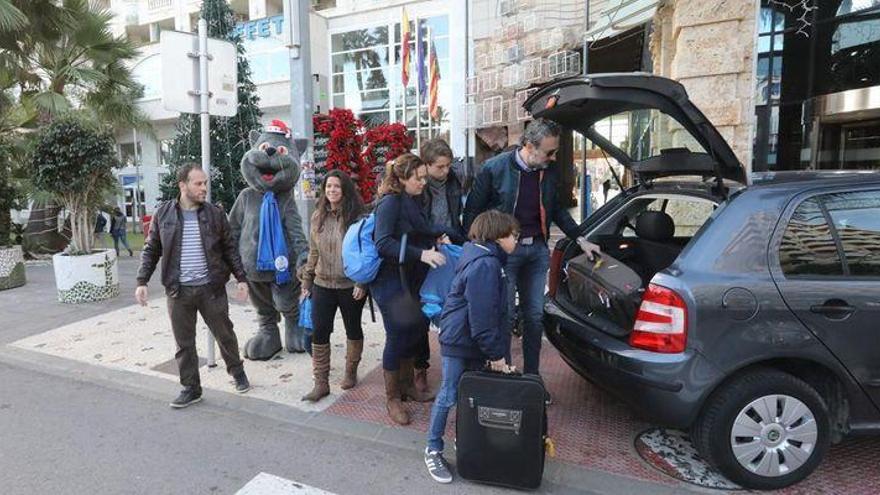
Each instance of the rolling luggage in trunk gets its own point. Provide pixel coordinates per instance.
(607, 290)
(501, 426)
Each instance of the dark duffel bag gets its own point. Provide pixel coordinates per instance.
(500, 429)
(608, 290)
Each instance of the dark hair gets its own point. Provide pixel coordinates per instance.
(185, 169)
(539, 129)
(400, 169)
(434, 149)
(351, 207)
(492, 225)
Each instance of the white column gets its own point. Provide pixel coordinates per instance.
(256, 9)
(457, 76)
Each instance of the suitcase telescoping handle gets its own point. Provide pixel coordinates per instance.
(501, 419)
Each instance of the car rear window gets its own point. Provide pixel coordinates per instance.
(807, 247)
(856, 219)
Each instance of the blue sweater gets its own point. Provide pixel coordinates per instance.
(473, 324)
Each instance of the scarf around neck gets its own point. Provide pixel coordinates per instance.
(272, 246)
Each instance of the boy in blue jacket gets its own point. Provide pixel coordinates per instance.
(473, 323)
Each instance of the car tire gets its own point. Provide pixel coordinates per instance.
(783, 424)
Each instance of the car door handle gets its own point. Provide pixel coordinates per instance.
(834, 309)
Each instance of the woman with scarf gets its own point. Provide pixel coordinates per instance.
(406, 240)
(324, 280)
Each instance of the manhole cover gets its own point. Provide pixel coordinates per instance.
(671, 452)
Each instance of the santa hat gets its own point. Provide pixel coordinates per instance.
(278, 127)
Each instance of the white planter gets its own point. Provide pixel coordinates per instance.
(86, 278)
(11, 267)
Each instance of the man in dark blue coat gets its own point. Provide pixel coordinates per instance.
(524, 182)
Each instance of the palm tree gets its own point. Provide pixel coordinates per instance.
(63, 56)
(67, 57)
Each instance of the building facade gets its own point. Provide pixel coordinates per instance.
(790, 84)
(355, 56)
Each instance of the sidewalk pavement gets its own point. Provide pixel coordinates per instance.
(597, 438)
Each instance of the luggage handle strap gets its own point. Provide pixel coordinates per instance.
(502, 419)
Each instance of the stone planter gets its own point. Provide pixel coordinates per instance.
(11, 267)
(86, 278)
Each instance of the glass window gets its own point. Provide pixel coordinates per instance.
(358, 39)
(807, 246)
(646, 133)
(688, 215)
(856, 218)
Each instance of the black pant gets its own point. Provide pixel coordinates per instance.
(405, 325)
(213, 305)
(324, 305)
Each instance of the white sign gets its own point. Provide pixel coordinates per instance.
(180, 74)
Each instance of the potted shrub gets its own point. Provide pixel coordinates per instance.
(74, 159)
(11, 255)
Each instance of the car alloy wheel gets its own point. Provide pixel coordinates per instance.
(774, 435)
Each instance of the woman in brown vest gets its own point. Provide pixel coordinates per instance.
(324, 280)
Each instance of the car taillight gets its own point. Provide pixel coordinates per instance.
(555, 272)
(661, 323)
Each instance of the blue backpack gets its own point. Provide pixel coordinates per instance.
(360, 257)
(437, 283)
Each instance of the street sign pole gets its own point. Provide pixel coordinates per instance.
(205, 129)
(201, 78)
(296, 20)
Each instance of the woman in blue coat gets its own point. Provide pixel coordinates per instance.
(473, 326)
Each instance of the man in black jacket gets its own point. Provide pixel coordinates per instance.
(443, 192)
(523, 182)
(194, 241)
(442, 202)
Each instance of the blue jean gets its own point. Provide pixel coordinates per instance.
(120, 236)
(452, 368)
(527, 275)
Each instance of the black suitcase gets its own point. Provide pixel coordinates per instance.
(500, 429)
(608, 290)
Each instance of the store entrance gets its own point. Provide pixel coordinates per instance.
(849, 146)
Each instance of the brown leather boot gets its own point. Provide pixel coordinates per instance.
(353, 351)
(321, 369)
(407, 383)
(393, 404)
(421, 380)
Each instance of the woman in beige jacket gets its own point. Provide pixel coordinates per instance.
(324, 280)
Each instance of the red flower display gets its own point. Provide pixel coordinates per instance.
(385, 143)
(345, 133)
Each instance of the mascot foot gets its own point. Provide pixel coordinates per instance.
(295, 338)
(262, 346)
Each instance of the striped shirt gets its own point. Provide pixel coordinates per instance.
(193, 264)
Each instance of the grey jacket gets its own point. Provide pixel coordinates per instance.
(245, 222)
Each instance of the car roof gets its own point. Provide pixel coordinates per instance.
(803, 179)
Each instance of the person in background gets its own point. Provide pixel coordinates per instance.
(472, 331)
(524, 182)
(323, 279)
(118, 230)
(401, 221)
(443, 204)
(194, 241)
(100, 230)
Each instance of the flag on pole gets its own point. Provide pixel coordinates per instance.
(423, 93)
(434, 82)
(406, 38)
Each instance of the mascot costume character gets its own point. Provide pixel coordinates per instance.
(268, 229)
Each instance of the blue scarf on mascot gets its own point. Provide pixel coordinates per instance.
(272, 254)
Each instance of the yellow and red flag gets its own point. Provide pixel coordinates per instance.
(433, 83)
(406, 38)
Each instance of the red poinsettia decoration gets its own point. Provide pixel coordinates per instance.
(385, 143)
(344, 144)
